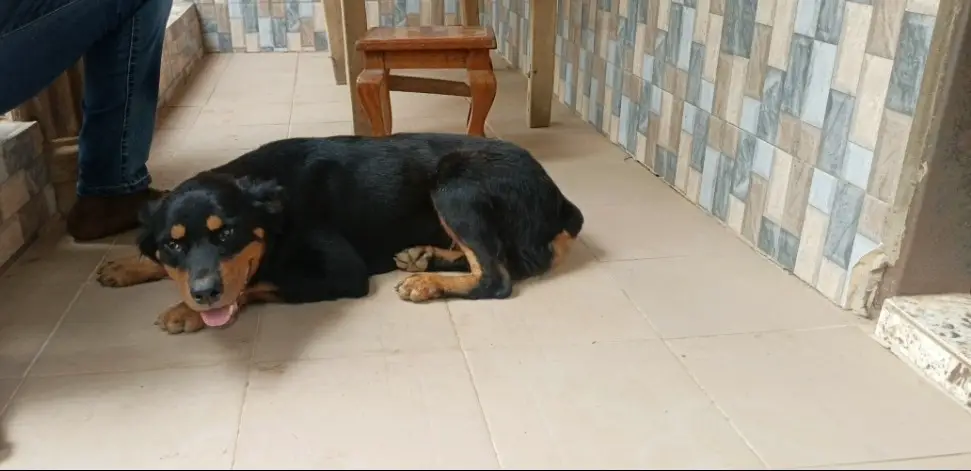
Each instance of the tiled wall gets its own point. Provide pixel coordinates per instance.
(298, 25)
(786, 119)
(26, 194)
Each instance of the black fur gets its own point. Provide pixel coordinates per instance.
(337, 210)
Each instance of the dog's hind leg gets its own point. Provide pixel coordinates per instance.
(462, 214)
(426, 258)
(130, 271)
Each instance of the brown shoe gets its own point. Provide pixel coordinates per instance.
(96, 217)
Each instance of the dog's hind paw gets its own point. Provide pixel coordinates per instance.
(419, 288)
(414, 259)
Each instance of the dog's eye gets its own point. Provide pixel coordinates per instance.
(225, 234)
(174, 245)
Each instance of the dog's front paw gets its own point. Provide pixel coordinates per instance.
(115, 274)
(179, 319)
(419, 288)
(414, 259)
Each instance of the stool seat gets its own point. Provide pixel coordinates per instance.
(426, 47)
(440, 38)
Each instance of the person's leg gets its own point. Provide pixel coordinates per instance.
(121, 41)
(121, 80)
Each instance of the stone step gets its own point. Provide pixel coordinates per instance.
(933, 334)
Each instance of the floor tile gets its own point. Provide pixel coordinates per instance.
(722, 294)
(407, 411)
(311, 92)
(232, 137)
(19, 344)
(430, 124)
(168, 419)
(653, 228)
(576, 304)
(336, 128)
(937, 462)
(379, 323)
(43, 282)
(112, 330)
(7, 388)
(221, 113)
(824, 396)
(177, 117)
(625, 405)
(320, 113)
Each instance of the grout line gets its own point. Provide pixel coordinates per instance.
(293, 96)
(888, 460)
(57, 326)
(475, 388)
(748, 443)
(249, 375)
(684, 367)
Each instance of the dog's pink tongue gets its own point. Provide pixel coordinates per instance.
(218, 317)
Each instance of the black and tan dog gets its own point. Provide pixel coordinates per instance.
(307, 220)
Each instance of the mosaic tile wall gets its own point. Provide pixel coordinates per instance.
(300, 25)
(785, 119)
(26, 194)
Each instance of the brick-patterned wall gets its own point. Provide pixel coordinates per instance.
(26, 195)
(299, 25)
(786, 119)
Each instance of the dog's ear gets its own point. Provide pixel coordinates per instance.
(145, 241)
(266, 195)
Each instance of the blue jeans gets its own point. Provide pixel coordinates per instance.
(121, 43)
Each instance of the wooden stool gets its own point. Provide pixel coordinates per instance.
(426, 47)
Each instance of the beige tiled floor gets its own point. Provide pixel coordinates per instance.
(665, 342)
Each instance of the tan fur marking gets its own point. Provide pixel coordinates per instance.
(561, 246)
(180, 319)
(177, 232)
(428, 286)
(259, 293)
(214, 223)
(259, 233)
(129, 271)
(416, 259)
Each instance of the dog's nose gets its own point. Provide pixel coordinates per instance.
(206, 289)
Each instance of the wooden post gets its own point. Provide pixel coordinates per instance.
(470, 12)
(355, 26)
(542, 30)
(335, 36)
(432, 12)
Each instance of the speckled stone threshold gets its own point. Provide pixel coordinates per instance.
(933, 334)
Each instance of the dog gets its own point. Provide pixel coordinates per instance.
(305, 220)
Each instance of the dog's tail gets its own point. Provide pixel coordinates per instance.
(571, 217)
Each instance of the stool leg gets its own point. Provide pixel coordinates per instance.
(372, 88)
(482, 83)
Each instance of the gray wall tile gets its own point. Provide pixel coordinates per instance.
(817, 85)
(835, 132)
(771, 101)
(744, 157)
(794, 87)
(723, 184)
(738, 29)
(843, 221)
(908, 68)
(830, 20)
(706, 196)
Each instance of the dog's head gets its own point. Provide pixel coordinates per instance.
(210, 234)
